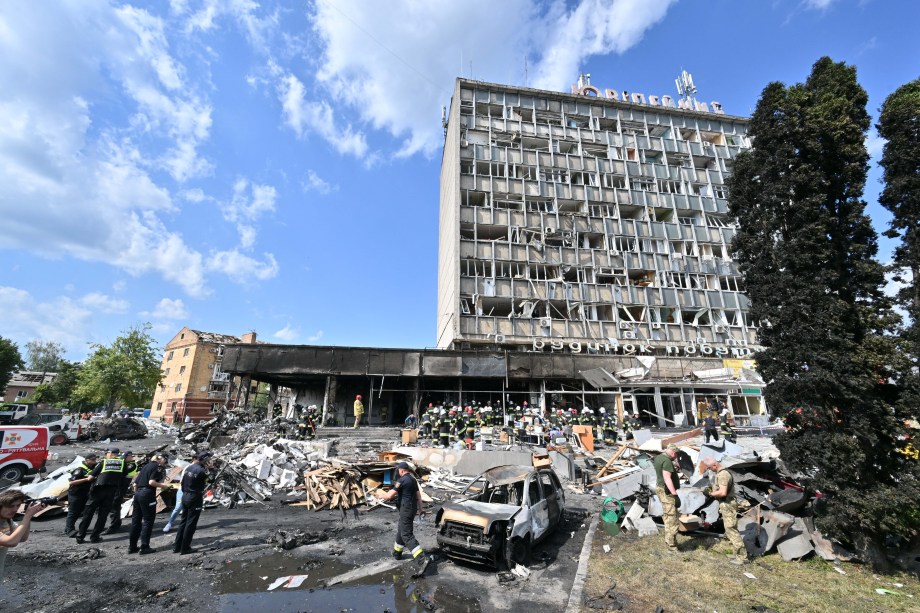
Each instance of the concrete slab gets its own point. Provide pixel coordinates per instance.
(563, 464)
(796, 547)
(476, 462)
(646, 526)
(654, 507)
(640, 436)
(632, 516)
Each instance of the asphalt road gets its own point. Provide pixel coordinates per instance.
(236, 564)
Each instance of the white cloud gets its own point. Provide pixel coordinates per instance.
(287, 333)
(315, 183)
(875, 145)
(315, 337)
(102, 303)
(818, 4)
(167, 309)
(305, 116)
(242, 268)
(244, 12)
(248, 203)
(60, 319)
(80, 186)
(396, 75)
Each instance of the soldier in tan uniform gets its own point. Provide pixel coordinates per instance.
(668, 482)
(724, 491)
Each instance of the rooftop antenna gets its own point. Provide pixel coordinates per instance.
(685, 87)
(584, 80)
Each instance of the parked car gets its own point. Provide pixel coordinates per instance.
(23, 451)
(10, 413)
(62, 428)
(503, 513)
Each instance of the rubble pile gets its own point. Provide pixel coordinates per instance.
(775, 511)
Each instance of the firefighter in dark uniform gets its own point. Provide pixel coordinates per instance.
(470, 433)
(107, 477)
(409, 502)
(444, 429)
(115, 515)
(426, 421)
(630, 424)
(81, 481)
(144, 505)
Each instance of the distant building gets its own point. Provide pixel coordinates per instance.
(22, 386)
(193, 383)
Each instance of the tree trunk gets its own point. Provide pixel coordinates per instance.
(871, 552)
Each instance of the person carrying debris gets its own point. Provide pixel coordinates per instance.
(107, 476)
(668, 482)
(408, 497)
(81, 481)
(144, 504)
(724, 492)
(193, 486)
(359, 411)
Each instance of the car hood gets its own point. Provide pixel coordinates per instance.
(477, 513)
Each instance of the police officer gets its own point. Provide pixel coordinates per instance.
(193, 484)
(121, 490)
(81, 481)
(144, 505)
(409, 502)
(107, 476)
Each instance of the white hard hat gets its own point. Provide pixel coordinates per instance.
(602, 410)
(585, 411)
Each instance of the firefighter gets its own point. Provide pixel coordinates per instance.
(426, 421)
(471, 424)
(444, 422)
(107, 475)
(631, 424)
(728, 432)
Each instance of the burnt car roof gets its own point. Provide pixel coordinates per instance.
(503, 475)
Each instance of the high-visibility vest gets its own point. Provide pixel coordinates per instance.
(113, 465)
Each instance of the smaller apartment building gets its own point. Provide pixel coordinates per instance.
(193, 383)
(22, 385)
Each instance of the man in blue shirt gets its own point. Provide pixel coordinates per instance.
(193, 486)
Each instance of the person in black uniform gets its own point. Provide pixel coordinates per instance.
(121, 490)
(193, 485)
(81, 481)
(107, 475)
(144, 505)
(409, 502)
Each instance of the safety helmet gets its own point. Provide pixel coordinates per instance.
(358, 397)
(452, 412)
(442, 412)
(636, 414)
(469, 410)
(573, 411)
(602, 410)
(558, 411)
(430, 404)
(586, 411)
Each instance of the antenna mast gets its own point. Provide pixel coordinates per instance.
(685, 87)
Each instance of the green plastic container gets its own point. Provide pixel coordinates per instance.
(611, 513)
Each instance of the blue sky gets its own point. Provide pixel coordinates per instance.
(234, 165)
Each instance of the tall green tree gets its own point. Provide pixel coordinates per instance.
(44, 356)
(807, 250)
(899, 125)
(60, 392)
(10, 361)
(126, 371)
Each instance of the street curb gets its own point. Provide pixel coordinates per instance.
(578, 586)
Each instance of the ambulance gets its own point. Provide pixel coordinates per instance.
(23, 451)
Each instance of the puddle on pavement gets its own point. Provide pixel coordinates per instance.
(243, 588)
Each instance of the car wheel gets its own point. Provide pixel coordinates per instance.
(58, 439)
(520, 551)
(12, 473)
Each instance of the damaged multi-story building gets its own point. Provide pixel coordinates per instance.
(584, 260)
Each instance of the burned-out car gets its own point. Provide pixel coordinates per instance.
(501, 515)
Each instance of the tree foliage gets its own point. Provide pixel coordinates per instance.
(44, 356)
(126, 371)
(60, 392)
(10, 361)
(899, 125)
(807, 250)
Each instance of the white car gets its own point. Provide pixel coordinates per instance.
(506, 510)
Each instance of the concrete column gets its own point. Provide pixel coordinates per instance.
(329, 397)
(272, 399)
(659, 408)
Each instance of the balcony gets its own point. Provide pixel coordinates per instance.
(220, 376)
(222, 395)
